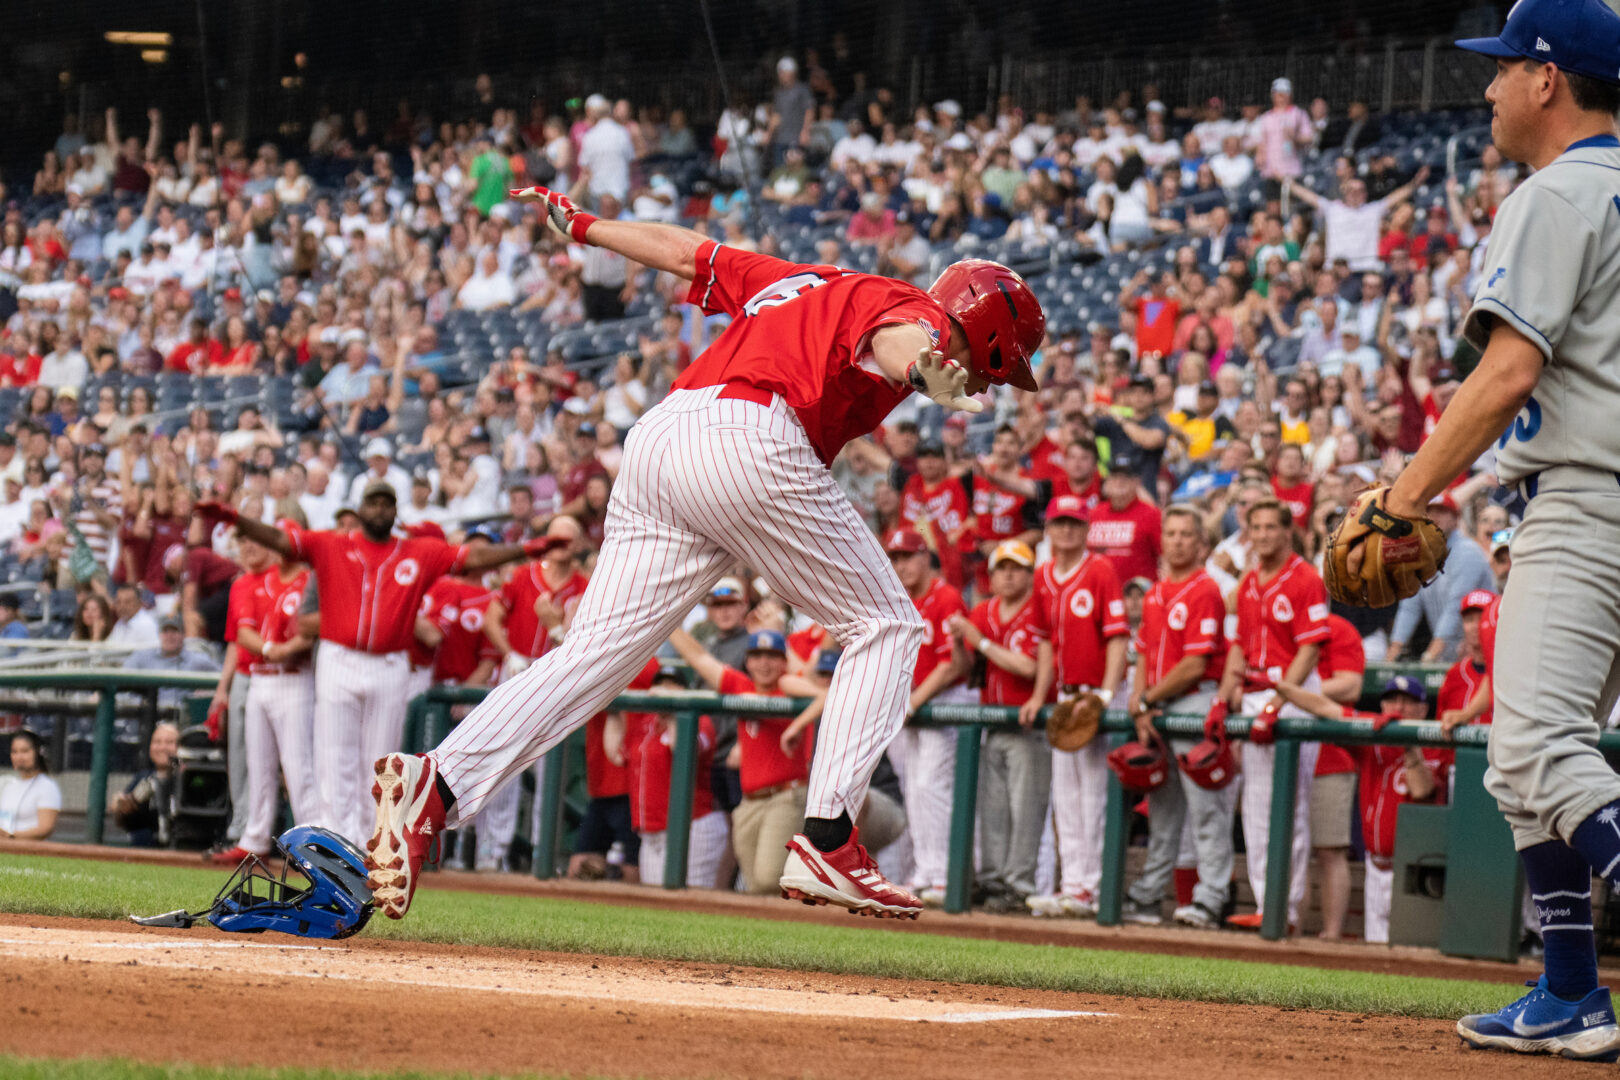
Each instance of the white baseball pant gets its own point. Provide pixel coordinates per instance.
(1257, 806)
(1079, 813)
(1377, 891)
(707, 482)
(497, 825)
(709, 843)
(279, 728)
(236, 754)
(926, 787)
(360, 701)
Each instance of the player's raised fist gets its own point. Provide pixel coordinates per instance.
(942, 380)
(213, 510)
(561, 212)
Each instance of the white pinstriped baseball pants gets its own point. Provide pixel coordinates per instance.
(279, 730)
(360, 701)
(707, 482)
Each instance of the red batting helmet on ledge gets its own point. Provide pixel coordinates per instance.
(1000, 317)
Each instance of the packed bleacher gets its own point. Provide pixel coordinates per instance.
(1245, 300)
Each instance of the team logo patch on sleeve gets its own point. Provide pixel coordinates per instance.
(1317, 612)
(1207, 626)
(1116, 607)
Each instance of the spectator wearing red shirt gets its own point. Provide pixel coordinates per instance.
(873, 224)
(1341, 669)
(1390, 776)
(198, 353)
(1465, 695)
(1015, 772)
(1125, 527)
(1282, 624)
(1157, 313)
(935, 501)
(650, 738)
(1435, 236)
(1005, 504)
(1291, 481)
(775, 779)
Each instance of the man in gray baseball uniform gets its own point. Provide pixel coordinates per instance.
(1546, 313)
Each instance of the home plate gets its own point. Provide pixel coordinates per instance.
(572, 978)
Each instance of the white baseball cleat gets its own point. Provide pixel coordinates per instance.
(1080, 905)
(847, 878)
(409, 816)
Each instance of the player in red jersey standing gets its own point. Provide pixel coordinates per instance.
(1124, 526)
(540, 597)
(280, 702)
(1282, 623)
(1342, 668)
(925, 758)
(1015, 771)
(733, 466)
(371, 585)
(1079, 597)
(936, 500)
(1181, 652)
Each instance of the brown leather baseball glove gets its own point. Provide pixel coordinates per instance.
(1397, 555)
(1074, 721)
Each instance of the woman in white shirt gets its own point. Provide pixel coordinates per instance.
(29, 800)
(626, 399)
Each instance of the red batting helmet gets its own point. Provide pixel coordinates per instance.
(1140, 766)
(1001, 318)
(1211, 764)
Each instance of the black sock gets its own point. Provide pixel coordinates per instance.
(446, 796)
(828, 834)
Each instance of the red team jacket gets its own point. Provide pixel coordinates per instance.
(524, 631)
(1278, 616)
(370, 592)
(458, 608)
(936, 606)
(1181, 619)
(275, 618)
(1081, 611)
(828, 315)
(1022, 632)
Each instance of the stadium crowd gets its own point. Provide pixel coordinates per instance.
(1253, 312)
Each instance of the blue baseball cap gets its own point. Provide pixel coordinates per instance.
(827, 662)
(1405, 684)
(767, 641)
(1581, 36)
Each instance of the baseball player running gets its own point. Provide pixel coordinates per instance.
(733, 466)
(371, 586)
(1544, 393)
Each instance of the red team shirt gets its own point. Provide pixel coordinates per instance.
(1046, 461)
(945, 506)
(936, 606)
(1022, 632)
(1298, 499)
(829, 316)
(1343, 652)
(370, 592)
(1090, 493)
(603, 779)
(1081, 612)
(246, 600)
(1462, 682)
(1487, 634)
(1181, 619)
(759, 741)
(275, 619)
(1278, 616)
(524, 630)
(1383, 787)
(1129, 538)
(459, 607)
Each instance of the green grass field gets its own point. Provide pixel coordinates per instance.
(74, 887)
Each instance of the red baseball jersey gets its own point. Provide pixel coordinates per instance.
(636, 727)
(524, 630)
(1129, 537)
(277, 618)
(1383, 787)
(938, 604)
(655, 758)
(1089, 493)
(1022, 632)
(458, 609)
(997, 512)
(1298, 499)
(1342, 652)
(370, 592)
(603, 779)
(944, 505)
(1462, 682)
(1278, 616)
(759, 741)
(246, 600)
(1180, 619)
(1046, 460)
(805, 332)
(1082, 610)
(804, 643)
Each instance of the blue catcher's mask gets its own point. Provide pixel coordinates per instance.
(335, 903)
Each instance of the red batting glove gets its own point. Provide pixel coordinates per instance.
(216, 715)
(564, 216)
(1383, 720)
(213, 510)
(1263, 728)
(1215, 722)
(540, 545)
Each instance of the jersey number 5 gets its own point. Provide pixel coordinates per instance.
(781, 292)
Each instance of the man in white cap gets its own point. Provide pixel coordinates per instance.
(793, 111)
(1285, 130)
(379, 466)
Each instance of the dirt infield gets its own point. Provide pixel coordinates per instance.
(1172, 941)
(88, 988)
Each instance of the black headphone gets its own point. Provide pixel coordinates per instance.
(41, 762)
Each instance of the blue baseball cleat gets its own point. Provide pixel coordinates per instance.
(1540, 1023)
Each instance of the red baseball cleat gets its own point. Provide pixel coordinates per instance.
(230, 857)
(847, 877)
(409, 816)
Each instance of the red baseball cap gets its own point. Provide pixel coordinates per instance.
(1067, 506)
(1477, 600)
(233, 293)
(907, 540)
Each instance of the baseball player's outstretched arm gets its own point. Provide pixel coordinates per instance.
(1483, 407)
(663, 247)
(490, 556)
(257, 531)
